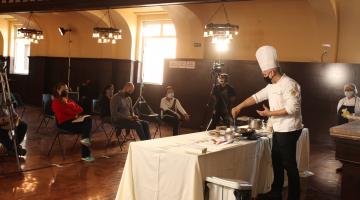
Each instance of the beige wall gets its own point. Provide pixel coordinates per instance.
(297, 28)
(349, 31)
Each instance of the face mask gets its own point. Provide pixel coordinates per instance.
(267, 79)
(64, 93)
(349, 94)
(170, 95)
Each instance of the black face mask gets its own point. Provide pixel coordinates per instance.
(64, 93)
(267, 79)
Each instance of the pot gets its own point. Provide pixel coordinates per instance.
(255, 124)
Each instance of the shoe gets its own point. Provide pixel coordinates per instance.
(86, 142)
(21, 152)
(340, 169)
(88, 159)
(269, 196)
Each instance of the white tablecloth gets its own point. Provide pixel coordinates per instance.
(162, 169)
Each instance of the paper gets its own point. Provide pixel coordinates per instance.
(81, 118)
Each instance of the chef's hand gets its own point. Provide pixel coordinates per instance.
(186, 117)
(265, 112)
(235, 111)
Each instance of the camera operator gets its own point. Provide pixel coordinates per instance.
(224, 96)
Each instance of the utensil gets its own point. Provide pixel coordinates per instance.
(255, 124)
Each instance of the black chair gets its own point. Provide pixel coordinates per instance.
(57, 137)
(95, 110)
(144, 111)
(47, 113)
(19, 104)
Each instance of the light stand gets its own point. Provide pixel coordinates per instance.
(63, 31)
(141, 100)
(6, 101)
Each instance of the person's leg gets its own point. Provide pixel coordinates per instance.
(81, 128)
(131, 124)
(5, 139)
(278, 168)
(214, 120)
(174, 122)
(20, 132)
(146, 129)
(288, 153)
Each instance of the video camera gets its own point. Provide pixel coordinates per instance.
(217, 68)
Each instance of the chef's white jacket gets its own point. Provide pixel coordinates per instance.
(285, 93)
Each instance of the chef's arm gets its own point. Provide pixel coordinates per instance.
(248, 102)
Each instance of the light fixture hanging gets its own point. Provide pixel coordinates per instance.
(108, 34)
(221, 34)
(31, 34)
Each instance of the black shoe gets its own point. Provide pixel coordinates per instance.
(340, 169)
(21, 152)
(269, 196)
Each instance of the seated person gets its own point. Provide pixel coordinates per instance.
(20, 131)
(348, 105)
(66, 111)
(104, 103)
(122, 113)
(171, 110)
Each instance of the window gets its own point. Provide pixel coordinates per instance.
(158, 43)
(21, 53)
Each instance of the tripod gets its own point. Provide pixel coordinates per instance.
(142, 103)
(8, 105)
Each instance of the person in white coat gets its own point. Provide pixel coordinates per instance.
(284, 96)
(348, 105)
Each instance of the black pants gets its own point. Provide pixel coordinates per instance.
(224, 115)
(173, 120)
(141, 127)
(82, 128)
(284, 157)
(20, 132)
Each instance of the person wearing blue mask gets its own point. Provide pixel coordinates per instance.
(348, 105)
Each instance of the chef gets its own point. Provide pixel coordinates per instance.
(348, 105)
(284, 96)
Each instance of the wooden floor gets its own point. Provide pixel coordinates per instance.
(51, 177)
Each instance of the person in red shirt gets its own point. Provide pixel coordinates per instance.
(66, 111)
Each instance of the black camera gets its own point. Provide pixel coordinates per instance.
(217, 67)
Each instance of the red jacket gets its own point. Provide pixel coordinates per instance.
(65, 111)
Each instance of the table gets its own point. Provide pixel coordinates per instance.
(163, 169)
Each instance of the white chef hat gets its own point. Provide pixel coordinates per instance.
(267, 57)
(351, 85)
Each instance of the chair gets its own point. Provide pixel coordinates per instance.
(19, 104)
(145, 111)
(47, 113)
(57, 137)
(95, 110)
(227, 189)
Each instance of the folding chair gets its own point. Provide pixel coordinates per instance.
(95, 110)
(145, 112)
(47, 113)
(57, 137)
(19, 104)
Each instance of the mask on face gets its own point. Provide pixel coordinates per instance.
(267, 79)
(170, 95)
(64, 93)
(349, 94)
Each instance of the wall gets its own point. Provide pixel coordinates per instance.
(321, 85)
(349, 31)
